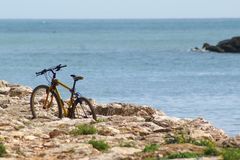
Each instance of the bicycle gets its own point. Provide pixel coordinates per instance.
(46, 99)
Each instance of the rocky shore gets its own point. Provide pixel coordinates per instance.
(122, 131)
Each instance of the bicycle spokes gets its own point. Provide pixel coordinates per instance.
(82, 110)
(44, 103)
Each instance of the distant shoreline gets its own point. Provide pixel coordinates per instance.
(217, 18)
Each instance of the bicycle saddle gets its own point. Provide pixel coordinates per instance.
(76, 78)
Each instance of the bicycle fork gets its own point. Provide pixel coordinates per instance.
(46, 104)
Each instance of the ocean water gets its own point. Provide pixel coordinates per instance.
(136, 61)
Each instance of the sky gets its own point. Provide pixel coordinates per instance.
(118, 9)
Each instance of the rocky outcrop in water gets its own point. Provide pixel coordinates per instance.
(226, 46)
(127, 129)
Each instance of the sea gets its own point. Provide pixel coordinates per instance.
(141, 61)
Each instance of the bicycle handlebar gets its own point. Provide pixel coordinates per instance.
(52, 69)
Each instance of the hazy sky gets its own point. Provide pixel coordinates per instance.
(119, 9)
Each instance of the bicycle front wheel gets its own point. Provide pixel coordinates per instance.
(45, 103)
(82, 108)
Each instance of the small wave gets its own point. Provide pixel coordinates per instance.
(200, 50)
(210, 74)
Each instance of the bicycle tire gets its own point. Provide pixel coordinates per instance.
(83, 103)
(38, 103)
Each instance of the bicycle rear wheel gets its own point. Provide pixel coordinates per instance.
(44, 103)
(82, 108)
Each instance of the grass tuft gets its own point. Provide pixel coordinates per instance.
(2, 150)
(84, 129)
(151, 158)
(211, 151)
(99, 120)
(206, 143)
(231, 154)
(99, 145)
(183, 155)
(178, 138)
(151, 148)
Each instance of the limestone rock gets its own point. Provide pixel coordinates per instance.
(56, 133)
(49, 137)
(124, 109)
(225, 46)
(19, 91)
(3, 83)
(30, 137)
(117, 153)
(4, 102)
(4, 90)
(107, 131)
(232, 142)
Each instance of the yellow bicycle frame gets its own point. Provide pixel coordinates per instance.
(53, 88)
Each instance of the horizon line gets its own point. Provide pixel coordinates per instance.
(178, 18)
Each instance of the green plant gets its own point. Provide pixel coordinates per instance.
(151, 148)
(183, 155)
(84, 129)
(231, 154)
(99, 120)
(151, 158)
(206, 143)
(2, 150)
(211, 151)
(99, 145)
(181, 138)
(178, 138)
